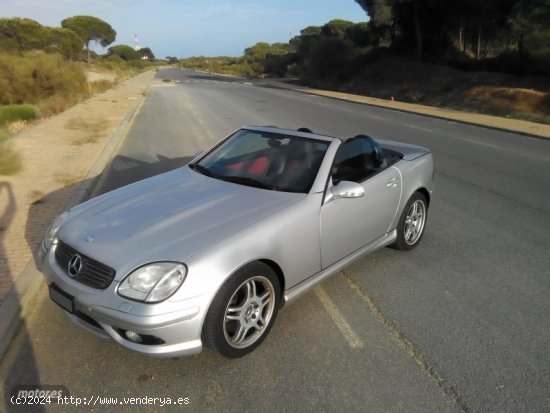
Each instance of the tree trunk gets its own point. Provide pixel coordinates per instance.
(460, 36)
(478, 47)
(418, 32)
(521, 53)
(88, 51)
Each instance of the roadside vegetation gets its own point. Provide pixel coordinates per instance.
(488, 56)
(10, 160)
(45, 70)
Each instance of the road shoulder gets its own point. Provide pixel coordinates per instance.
(63, 159)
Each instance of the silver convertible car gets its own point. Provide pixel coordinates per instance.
(209, 252)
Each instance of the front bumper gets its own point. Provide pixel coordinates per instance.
(175, 327)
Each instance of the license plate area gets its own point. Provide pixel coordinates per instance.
(61, 298)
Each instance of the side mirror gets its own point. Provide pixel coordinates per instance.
(347, 189)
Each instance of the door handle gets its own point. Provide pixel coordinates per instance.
(392, 183)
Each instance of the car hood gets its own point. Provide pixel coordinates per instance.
(168, 217)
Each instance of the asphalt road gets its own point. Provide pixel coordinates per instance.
(460, 323)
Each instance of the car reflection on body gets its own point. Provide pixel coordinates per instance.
(208, 253)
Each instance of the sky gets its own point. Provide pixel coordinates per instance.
(184, 28)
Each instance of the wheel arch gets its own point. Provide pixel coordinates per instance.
(271, 264)
(279, 272)
(426, 194)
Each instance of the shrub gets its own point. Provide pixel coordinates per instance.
(329, 59)
(39, 77)
(100, 86)
(12, 113)
(123, 69)
(125, 52)
(10, 161)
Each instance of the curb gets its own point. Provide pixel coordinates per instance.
(387, 104)
(16, 305)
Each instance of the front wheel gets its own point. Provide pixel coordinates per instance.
(412, 223)
(243, 311)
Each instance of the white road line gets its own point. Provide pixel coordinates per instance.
(418, 127)
(477, 142)
(338, 318)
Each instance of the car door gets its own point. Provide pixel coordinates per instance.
(348, 224)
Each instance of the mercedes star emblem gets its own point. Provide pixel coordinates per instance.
(75, 265)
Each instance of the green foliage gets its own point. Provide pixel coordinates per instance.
(11, 113)
(221, 64)
(477, 29)
(267, 59)
(146, 52)
(90, 29)
(40, 78)
(125, 52)
(19, 34)
(172, 60)
(123, 68)
(337, 28)
(64, 41)
(310, 31)
(379, 11)
(361, 35)
(259, 60)
(330, 59)
(10, 160)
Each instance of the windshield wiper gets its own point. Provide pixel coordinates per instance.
(247, 181)
(201, 169)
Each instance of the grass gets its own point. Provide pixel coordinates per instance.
(38, 83)
(45, 80)
(122, 68)
(100, 86)
(12, 113)
(10, 160)
(518, 103)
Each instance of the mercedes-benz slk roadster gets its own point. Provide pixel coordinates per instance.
(208, 253)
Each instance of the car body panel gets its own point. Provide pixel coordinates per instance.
(410, 152)
(350, 224)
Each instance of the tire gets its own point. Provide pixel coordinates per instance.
(243, 311)
(412, 223)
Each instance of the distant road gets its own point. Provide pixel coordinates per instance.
(460, 323)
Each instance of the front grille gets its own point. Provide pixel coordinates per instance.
(93, 273)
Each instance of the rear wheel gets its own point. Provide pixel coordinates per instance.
(243, 311)
(412, 223)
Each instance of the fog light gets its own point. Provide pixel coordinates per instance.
(135, 337)
(139, 338)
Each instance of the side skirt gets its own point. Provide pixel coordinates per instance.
(306, 285)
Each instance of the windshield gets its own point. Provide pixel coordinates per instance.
(265, 160)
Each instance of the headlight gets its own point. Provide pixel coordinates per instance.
(153, 282)
(53, 228)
